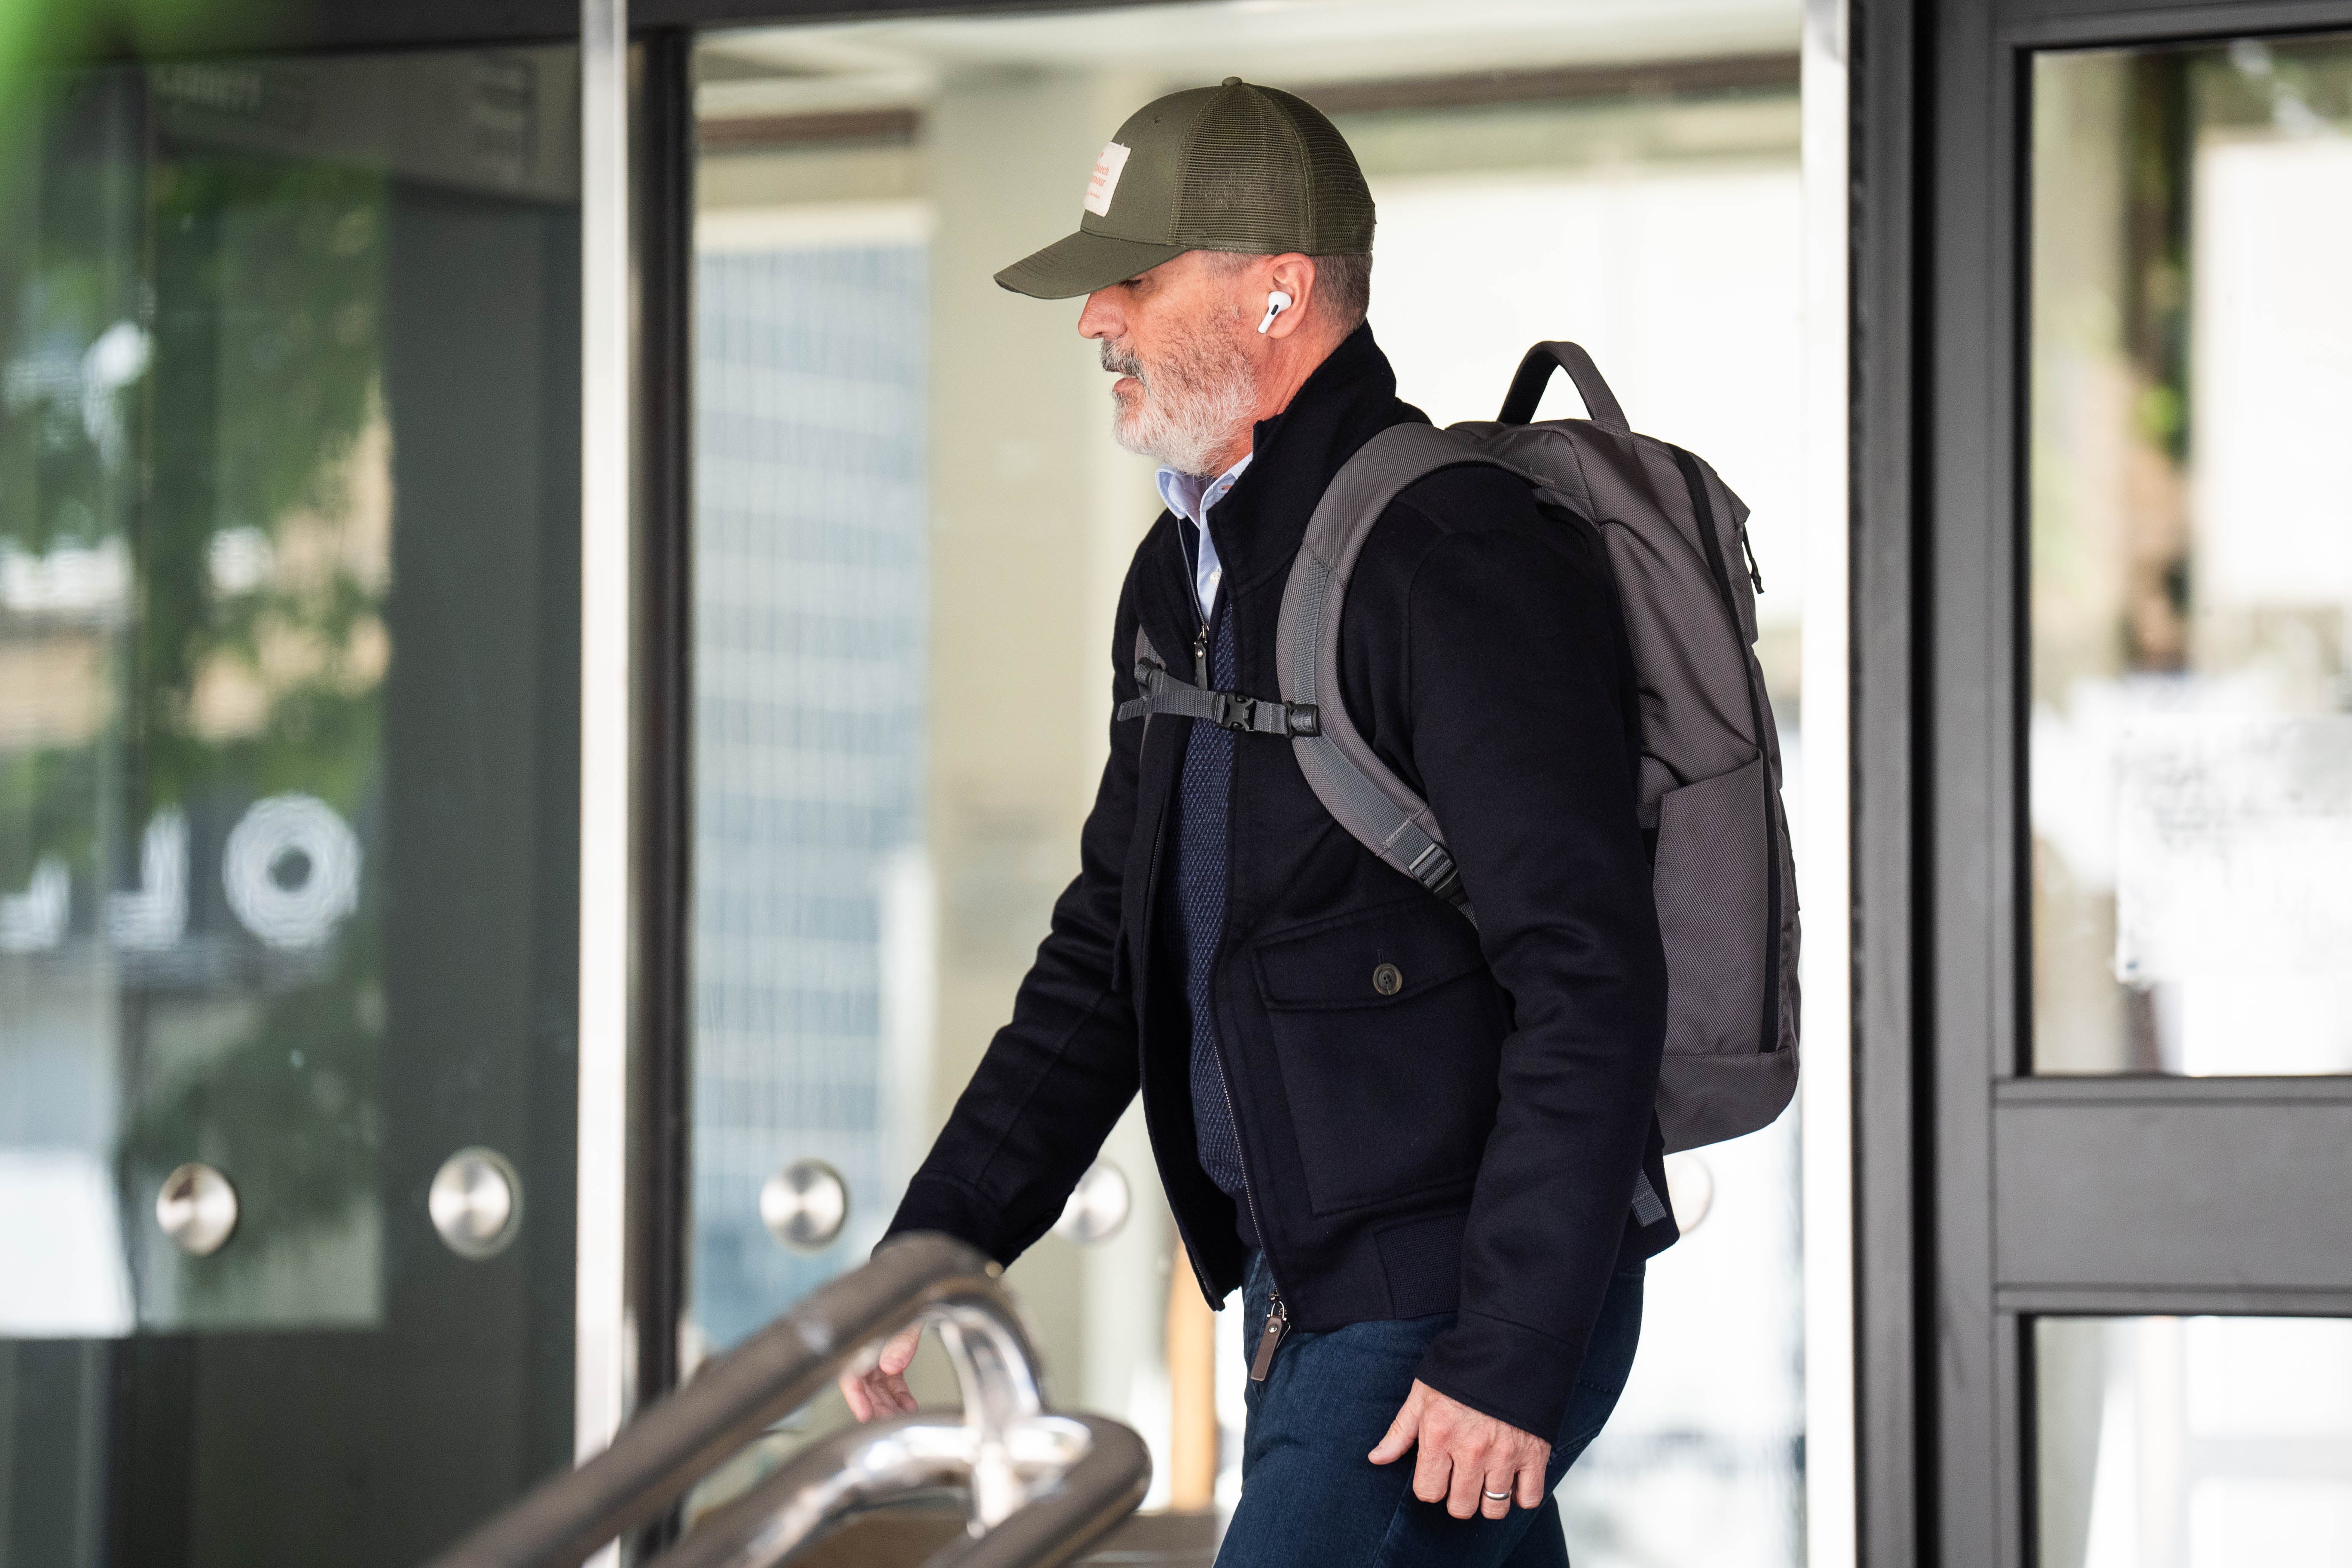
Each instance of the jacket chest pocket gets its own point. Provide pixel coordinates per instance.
(1386, 1029)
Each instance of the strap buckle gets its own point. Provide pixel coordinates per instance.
(1434, 869)
(1232, 710)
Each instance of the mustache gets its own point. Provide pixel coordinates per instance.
(1122, 360)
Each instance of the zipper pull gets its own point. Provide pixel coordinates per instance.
(1277, 1323)
(1201, 657)
(1754, 574)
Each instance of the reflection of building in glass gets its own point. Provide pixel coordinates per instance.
(810, 598)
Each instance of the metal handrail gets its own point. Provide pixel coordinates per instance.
(1088, 1473)
(1041, 1486)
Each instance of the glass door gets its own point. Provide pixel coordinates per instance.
(288, 768)
(2132, 880)
(2190, 777)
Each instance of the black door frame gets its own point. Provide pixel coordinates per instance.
(1960, 1237)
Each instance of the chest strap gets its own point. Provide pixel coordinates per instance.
(1163, 693)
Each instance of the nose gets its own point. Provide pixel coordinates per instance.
(1100, 318)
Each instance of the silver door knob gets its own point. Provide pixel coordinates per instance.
(1097, 1207)
(805, 1204)
(197, 1208)
(476, 1202)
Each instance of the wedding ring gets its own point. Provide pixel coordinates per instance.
(1496, 1497)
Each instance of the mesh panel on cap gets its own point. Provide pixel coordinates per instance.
(1263, 171)
(1340, 218)
(1243, 186)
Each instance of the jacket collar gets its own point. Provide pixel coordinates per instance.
(1350, 398)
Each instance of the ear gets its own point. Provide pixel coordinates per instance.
(1294, 274)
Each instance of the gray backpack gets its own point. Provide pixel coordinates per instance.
(1710, 779)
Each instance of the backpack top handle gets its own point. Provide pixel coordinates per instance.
(1527, 385)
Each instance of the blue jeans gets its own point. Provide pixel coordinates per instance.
(1309, 1496)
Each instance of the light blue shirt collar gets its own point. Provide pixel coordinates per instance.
(1190, 497)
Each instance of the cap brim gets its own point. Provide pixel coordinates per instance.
(1081, 263)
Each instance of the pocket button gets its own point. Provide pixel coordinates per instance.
(1388, 980)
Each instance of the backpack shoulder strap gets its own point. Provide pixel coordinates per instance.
(1356, 788)
(1348, 776)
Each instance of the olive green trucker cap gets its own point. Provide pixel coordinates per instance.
(1231, 167)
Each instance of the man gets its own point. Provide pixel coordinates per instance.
(1412, 1143)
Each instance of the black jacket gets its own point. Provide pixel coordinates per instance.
(1471, 1141)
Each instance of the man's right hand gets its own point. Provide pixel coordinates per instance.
(883, 1390)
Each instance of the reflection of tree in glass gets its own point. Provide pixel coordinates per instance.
(65, 276)
(289, 1110)
(190, 373)
(262, 567)
(256, 378)
(268, 280)
(68, 225)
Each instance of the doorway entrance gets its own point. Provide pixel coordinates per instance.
(2105, 787)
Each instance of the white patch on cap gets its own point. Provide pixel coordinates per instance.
(1105, 179)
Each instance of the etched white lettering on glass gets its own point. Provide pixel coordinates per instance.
(154, 915)
(291, 870)
(34, 919)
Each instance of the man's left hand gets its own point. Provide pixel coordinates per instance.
(1466, 1457)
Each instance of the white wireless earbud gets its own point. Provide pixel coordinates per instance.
(1275, 304)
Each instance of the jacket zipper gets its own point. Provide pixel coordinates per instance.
(1277, 1323)
(1151, 896)
(1277, 1317)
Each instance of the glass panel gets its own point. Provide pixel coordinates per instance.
(287, 758)
(908, 508)
(811, 636)
(2194, 1442)
(2192, 560)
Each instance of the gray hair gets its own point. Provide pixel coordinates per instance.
(1345, 283)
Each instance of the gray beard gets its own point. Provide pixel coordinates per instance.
(1196, 402)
